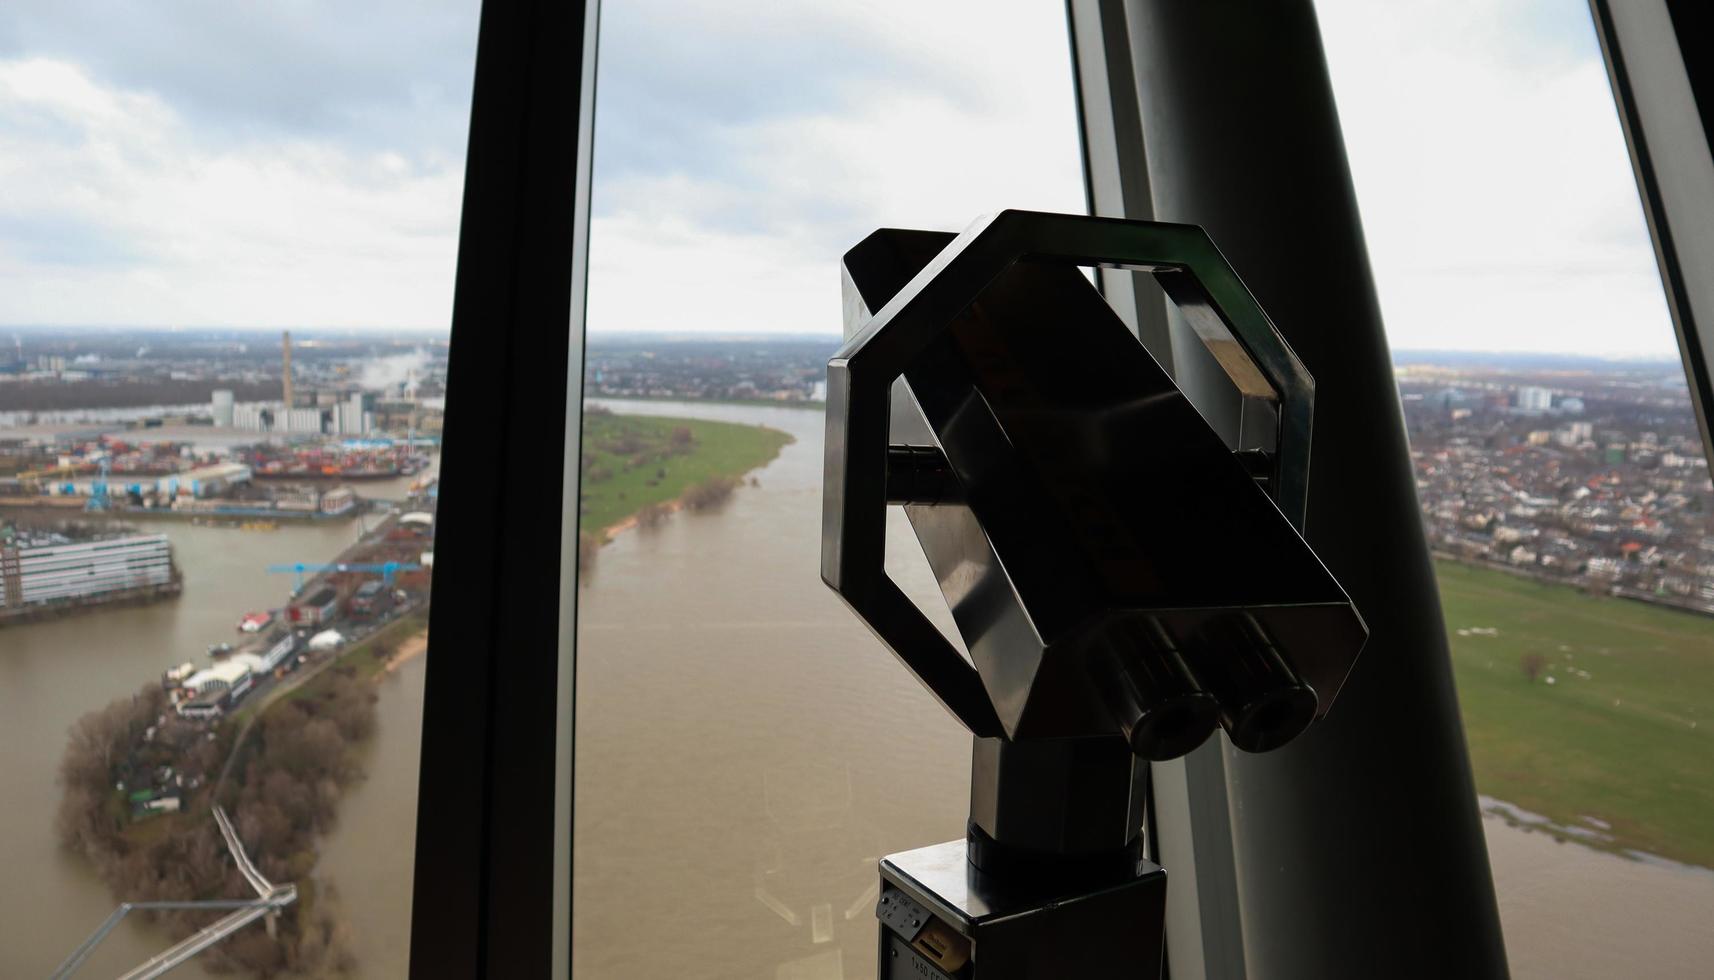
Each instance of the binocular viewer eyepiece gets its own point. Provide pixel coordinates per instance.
(1165, 707)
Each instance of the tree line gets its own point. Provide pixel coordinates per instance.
(283, 796)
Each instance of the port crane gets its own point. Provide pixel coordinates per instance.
(98, 499)
(384, 569)
(35, 477)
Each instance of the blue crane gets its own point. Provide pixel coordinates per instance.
(385, 569)
(98, 499)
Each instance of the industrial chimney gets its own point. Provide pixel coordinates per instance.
(286, 370)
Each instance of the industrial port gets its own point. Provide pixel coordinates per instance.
(381, 578)
(66, 480)
(1533, 478)
(215, 729)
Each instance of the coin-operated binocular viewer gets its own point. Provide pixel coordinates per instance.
(1125, 577)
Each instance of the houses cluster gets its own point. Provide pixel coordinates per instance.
(783, 371)
(1614, 496)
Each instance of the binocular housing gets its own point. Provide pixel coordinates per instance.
(1115, 568)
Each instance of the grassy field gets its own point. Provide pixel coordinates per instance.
(1625, 732)
(631, 461)
(757, 402)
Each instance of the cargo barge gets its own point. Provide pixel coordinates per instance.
(294, 503)
(362, 460)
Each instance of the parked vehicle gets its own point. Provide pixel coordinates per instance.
(371, 600)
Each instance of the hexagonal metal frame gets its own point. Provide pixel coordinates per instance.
(1192, 272)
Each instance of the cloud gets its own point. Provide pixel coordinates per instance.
(734, 218)
(212, 163)
(1498, 201)
(391, 74)
(119, 210)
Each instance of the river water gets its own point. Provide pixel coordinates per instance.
(745, 752)
(53, 672)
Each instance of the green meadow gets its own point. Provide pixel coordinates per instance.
(631, 462)
(1617, 724)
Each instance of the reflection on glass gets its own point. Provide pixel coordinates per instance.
(1563, 482)
(216, 535)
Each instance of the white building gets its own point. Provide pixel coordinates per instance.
(1533, 399)
(352, 417)
(249, 417)
(70, 570)
(204, 481)
(232, 674)
(220, 405)
(304, 420)
(1575, 434)
(216, 689)
(264, 659)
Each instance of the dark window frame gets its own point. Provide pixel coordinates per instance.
(491, 893)
(1659, 56)
(1226, 117)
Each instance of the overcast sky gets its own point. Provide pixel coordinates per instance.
(195, 162)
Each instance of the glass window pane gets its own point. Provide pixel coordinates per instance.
(1562, 479)
(746, 749)
(184, 184)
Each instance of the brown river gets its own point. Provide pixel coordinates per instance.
(746, 750)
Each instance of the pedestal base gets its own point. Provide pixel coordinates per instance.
(941, 920)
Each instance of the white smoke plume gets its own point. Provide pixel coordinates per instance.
(394, 373)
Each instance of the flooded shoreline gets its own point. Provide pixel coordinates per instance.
(715, 629)
(745, 747)
(54, 672)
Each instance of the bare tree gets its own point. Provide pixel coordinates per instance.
(588, 547)
(653, 516)
(710, 493)
(1533, 663)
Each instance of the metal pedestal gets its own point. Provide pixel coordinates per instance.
(941, 919)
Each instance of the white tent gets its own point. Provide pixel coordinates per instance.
(327, 640)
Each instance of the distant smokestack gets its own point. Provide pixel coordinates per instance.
(286, 371)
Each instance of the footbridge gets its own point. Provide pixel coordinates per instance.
(270, 899)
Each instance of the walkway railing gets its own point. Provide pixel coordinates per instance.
(270, 899)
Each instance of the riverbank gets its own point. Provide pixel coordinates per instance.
(411, 648)
(142, 595)
(282, 799)
(1592, 715)
(224, 517)
(55, 566)
(634, 467)
(279, 761)
(287, 761)
(736, 402)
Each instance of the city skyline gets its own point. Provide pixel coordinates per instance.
(268, 335)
